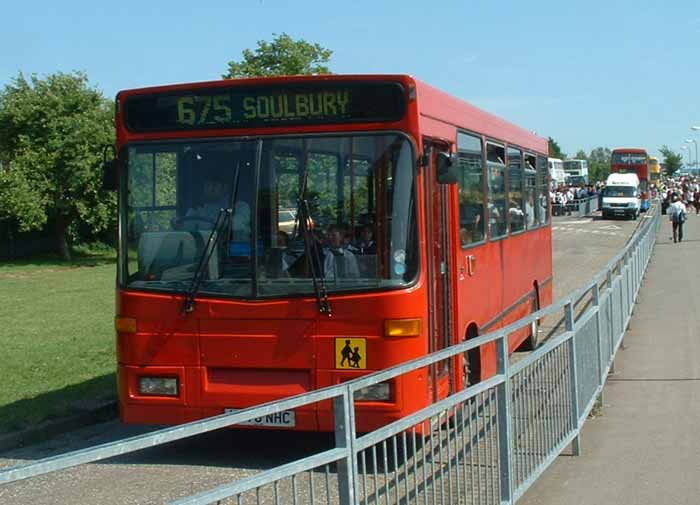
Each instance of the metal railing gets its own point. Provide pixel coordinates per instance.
(484, 444)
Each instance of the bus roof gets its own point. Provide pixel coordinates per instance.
(630, 150)
(264, 80)
(440, 111)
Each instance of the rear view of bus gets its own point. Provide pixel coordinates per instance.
(576, 172)
(633, 161)
(654, 170)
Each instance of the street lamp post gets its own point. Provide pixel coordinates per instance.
(686, 147)
(696, 128)
(688, 141)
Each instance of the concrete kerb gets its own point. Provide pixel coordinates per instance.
(54, 427)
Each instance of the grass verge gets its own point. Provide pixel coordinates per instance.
(56, 336)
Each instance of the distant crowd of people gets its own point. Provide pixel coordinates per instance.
(678, 196)
(563, 198)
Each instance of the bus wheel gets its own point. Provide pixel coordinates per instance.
(471, 362)
(530, 343)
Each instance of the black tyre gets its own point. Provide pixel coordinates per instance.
(471, 373)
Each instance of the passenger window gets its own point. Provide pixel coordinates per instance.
(322, 187)
(495, 161)
(530, 174)
(516, 211)
(166, 179)
(542, 191)
(357, 190)
(153, 189)
(471, 189)
(286, 174)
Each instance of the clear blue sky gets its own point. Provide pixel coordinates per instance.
(595, 73)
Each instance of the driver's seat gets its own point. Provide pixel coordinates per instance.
(164, 254)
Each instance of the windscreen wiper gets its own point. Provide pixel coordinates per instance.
(314, 257)
(223, 220)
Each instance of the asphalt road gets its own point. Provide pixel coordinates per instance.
(582, 246)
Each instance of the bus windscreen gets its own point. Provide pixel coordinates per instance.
(265, 106)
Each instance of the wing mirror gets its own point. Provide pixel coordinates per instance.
(447, 170)
(110, 175)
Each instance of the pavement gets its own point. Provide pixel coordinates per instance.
(644, 447)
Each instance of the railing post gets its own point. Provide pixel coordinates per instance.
(344, 410)
(505, 430)
(624, 284)
(630, 285)
(635, 261)
(571, 327)
(611, 324)
(640, 266)
(598, 331)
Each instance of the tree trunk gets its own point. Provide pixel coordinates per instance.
(61, 230)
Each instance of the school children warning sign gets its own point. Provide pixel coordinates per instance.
(351, 353)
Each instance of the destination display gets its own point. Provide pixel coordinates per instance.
(236, 107)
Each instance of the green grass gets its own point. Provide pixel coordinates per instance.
(56, 337)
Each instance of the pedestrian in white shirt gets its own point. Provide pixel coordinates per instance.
(678, 215)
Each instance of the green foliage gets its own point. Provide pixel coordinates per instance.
(52, 132)
(581, 155)
(672, 160)
(282, 56)
(555, 150)
(599, 164)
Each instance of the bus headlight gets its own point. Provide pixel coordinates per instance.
(375, 393)
(161, 386)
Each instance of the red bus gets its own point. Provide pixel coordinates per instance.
(633, 161)
(279, 235)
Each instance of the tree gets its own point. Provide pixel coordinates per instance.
(599, 164)
(581, 155)
(555, 150)
(672, 161)
(52, 133)
(282, 56)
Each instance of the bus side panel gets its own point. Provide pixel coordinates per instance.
(527, 259)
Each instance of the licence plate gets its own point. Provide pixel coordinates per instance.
(284, 419)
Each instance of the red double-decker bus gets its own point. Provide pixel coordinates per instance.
(633, 161)
(280, 235)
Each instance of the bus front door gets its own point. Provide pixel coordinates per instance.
(440, 314)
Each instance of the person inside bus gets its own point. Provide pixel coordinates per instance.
(338, 262)
(471, 210)
(213, 197)
(530, 211)
(366, 244)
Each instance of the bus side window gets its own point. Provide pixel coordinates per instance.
(542, 191)
(530, 174)
(495, 162)
(471, 189)
(516, 210)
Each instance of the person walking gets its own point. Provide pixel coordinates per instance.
(678, 215)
